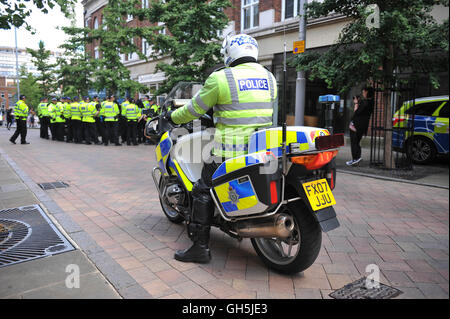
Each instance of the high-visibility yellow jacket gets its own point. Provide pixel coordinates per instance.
(21, 110)
(110, 110)
(42, 109)
(88, 112)
(132, 112)
(75, 113)
(56, 111)
(242, 98)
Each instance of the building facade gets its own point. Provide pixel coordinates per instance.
(274, 24)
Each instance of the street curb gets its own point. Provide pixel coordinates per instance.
(392, 179)
(124, 284)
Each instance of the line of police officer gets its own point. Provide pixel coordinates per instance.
(78, 121)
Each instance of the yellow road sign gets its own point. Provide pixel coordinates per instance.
(299, 47)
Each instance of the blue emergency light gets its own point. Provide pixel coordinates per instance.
(329, 98)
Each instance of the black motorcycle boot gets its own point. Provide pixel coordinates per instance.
(199, 252)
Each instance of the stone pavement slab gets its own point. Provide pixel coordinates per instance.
(45, 278)
(111, 210)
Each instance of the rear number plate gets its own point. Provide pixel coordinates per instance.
(319, 194)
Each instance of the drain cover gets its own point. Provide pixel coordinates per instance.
(359, 290)
(26, 233)
(53, 185)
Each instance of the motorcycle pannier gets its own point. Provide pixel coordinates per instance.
(248, 184)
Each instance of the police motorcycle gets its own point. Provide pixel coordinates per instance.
(279, 195)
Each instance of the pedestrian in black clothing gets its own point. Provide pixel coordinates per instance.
(9, 118)
(359, 123)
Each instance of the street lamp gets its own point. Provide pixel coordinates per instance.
(17, 65)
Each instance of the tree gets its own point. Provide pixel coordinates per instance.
(403, 38)
(75, 67)
(192, 41)
(13, 13)
(115, 38)
(29, 88)
(46, 79)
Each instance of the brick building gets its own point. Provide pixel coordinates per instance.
(273, 23)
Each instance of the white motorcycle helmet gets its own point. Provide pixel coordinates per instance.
(238, 46)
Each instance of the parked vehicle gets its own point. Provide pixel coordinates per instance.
(280, 198)
(421, 128)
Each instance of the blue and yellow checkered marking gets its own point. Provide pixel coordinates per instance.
(245, 193)
(236, 163)
(162, 151)
(271, 140)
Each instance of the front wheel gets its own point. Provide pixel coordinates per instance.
(171, 213)
(297, 253)
(421, 150)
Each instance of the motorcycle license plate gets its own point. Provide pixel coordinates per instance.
(319, 194)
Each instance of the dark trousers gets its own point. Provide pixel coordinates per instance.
(101, 129)
(90, 132)
(76, 131)
(53, 130)
(9, 122)
(59, 131)
(69, 130)
(355, 139)
(111, 132)
(45, 122)
(123, 128)
(140, 131)
(21, 129)
(131, 132)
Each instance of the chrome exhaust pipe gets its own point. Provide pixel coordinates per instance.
(276, 226)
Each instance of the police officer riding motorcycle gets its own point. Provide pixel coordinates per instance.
(244, 187)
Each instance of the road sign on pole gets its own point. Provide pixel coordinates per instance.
(299, 47)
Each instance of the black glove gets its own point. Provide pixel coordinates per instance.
(168, 117)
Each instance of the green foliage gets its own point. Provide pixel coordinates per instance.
(29, 88)
(192, 42)
(74, 67)
(408, 40)
(114, 38)
(40, 58)
(13, 13)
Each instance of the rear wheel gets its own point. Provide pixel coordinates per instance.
(171, 213)
(297, 253)
(421, 150)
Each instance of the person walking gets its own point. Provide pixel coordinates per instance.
(9, 118)
(242, 96)
(21, 113)
(359, 123)
(89, 112)
(132, 114)
(110, 112)
(44, 118)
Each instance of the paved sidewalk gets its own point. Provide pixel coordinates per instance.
(44, 277)
(111, 210)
